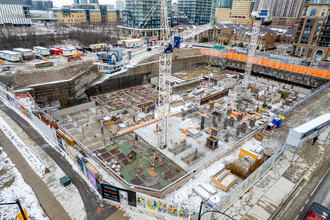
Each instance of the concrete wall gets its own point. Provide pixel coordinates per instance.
(67, 92)
(143, 73)
(77, 108)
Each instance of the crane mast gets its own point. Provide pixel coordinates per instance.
(251, 52)
(165, 68)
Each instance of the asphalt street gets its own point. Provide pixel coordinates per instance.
(321, 194)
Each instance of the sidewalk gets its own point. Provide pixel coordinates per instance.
(52, 207)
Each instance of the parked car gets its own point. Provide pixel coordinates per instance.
(317, 212)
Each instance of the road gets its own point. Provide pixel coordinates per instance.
(321, 194)
(96, 209)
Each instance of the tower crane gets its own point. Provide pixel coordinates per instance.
(165, 70)
(260, 14)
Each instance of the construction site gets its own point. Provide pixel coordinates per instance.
(155, 117)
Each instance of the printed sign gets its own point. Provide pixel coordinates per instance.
(110, 192)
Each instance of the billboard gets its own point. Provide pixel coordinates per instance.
(116, 194)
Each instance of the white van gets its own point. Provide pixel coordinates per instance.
(10, 55)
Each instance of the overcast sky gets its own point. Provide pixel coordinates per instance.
(59, 3)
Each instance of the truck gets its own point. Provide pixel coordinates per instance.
(317, 212)
(10, 55)
(42, 50)
(26, 53)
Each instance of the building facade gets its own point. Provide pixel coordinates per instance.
(222, 15)
(43, 16)
(93, 15)
(241, 11)
(120, 5)
(224, 3)
(70, 16)
(288, 13)
(78, 2)
(112, 17)
(14, 16)
(313, 36)
(136, 11)
(13, 2)
(94, 2)
(199, 11)
(42, 5)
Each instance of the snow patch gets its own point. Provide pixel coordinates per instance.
(34, 162)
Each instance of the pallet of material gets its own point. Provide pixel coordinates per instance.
(202, 193)
(224, 179)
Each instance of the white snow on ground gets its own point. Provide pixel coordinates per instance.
(185, 194)
(26, 152)
(17, 190)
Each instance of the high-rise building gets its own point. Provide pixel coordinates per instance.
(199, 11)
(313, 36)
(14, 15)
(222, 11)
(136, 11)
(241, 11)
(93, 1)
(80, 2)
(43, 5)
(224, 3)
(287, 13)
(12, 2)
(120, 5)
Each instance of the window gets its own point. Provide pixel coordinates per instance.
(303, 51)
(305, 12)
(313, 12)
(309, 52)
(320, 21)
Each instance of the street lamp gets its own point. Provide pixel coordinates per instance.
(19, 206)
(212, 210)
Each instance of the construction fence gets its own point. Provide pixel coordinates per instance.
(25, 106)
(269, 63)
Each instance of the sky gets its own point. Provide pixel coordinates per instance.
(59, 3)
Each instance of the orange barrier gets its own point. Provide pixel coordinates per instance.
(264, 62)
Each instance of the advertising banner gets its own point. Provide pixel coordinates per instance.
(116, 194)
(92, 179)
(110, 192)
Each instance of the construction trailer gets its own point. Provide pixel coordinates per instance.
(68, 51)
(132, 43)
(98, 47)
(26, 53)
(10, 55)
(56, 51)
(42, 50)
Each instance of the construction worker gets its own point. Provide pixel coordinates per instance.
(315, 139)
